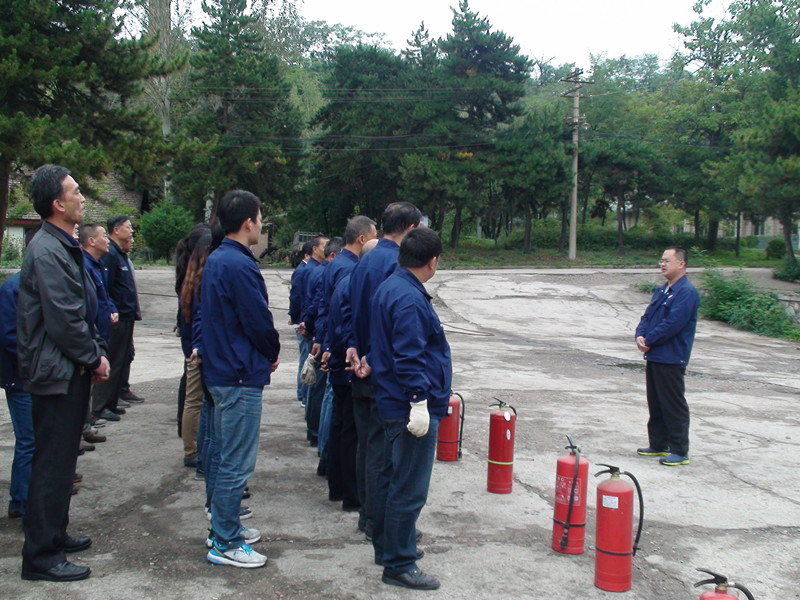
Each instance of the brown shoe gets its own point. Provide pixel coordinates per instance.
(85, 446)
(77, 478)
(93, 438)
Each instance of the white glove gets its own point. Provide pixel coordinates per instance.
(419, 420)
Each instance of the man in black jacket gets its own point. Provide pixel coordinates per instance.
(122, 289)
(60, 352)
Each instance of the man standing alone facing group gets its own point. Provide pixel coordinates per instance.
(665, 335)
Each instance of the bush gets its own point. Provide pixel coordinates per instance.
(164, 226)
(750, 241)
(736, 301)
(776, 248)
(788, 271)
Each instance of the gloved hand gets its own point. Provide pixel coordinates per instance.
(419, 420)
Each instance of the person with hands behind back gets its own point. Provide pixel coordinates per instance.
(411, 376)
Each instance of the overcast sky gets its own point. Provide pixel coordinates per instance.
(553, 30)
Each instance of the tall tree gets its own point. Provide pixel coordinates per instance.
(68, 90)
(238, 106)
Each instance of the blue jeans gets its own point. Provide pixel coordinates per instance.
(303, 347)
(20, 407)
(237, 423)
(401, 492)
(325, 421)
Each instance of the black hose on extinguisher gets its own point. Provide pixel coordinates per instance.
(577, 452)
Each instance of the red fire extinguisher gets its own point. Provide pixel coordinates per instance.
(721, 585)
(451, 430)
(569, 511)
(614, 546)
(501, 448)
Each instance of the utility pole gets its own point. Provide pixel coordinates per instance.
(575, 79)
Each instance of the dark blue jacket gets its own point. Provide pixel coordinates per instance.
(410, 356)
(121, 284)
(105, 305)
(312, 295)
(9, 300)
(368, 274)
(335, 337)
(240, 342)
(668, 324)
(296, 293)
(341, 265)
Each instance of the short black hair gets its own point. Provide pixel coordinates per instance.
(115, 221)
(235, 208)
(358, 225)
(399, 216)
(315, 242)
(46, 185)
(87, 231)
(334, 245)
(308, 247)
(681, 253)
(418, 247)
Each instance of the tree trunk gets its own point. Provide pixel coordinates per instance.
(5, 176)
(455, 232)
(562, 239)
(713, 234)
(738, 231)
(697, 227)
(620, 225)
(787, 224)
(526, 239)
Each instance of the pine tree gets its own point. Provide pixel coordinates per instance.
(238, 106)
(67, 88)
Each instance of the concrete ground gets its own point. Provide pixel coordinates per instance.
(557, 345)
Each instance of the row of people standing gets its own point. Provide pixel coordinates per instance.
(384, 359)
(64, 310)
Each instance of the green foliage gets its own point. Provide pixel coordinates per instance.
(737, 301)
(749, 241)
(789, 270)
(164, 226)
(776, 248)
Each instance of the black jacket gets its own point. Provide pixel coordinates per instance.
(55, 295)
(121, 285)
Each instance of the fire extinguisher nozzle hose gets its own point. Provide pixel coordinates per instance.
(641, 510)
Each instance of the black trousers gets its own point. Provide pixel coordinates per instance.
(342, 445)
(668, 426)
(106, 394)
(369, 458)
(57, 424)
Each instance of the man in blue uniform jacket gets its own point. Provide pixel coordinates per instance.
(240, 351)
(665, 335)
(412, 376)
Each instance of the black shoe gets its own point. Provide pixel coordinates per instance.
(75, 544)
(122, 404)
(420, 554)
(419, 535)
(414, 579)
(107, 415)
(117, 411)
(190, 462)
(14, 513)
(64, 571)
(246, 493)
(322, 471)
(131, 397)
(347, 507)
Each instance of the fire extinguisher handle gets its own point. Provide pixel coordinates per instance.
(716, 578)
(502, 405)
(611, 469)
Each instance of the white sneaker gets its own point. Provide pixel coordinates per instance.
(243, 556)
(250, 535)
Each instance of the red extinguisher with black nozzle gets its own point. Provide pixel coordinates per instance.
(614, 543)
(451, 430)
(569, 508)
(501, 448)
(721, 585)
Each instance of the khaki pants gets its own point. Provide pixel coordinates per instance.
(191, 410)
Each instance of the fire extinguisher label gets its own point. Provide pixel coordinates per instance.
(610, 501)
(563, 487)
